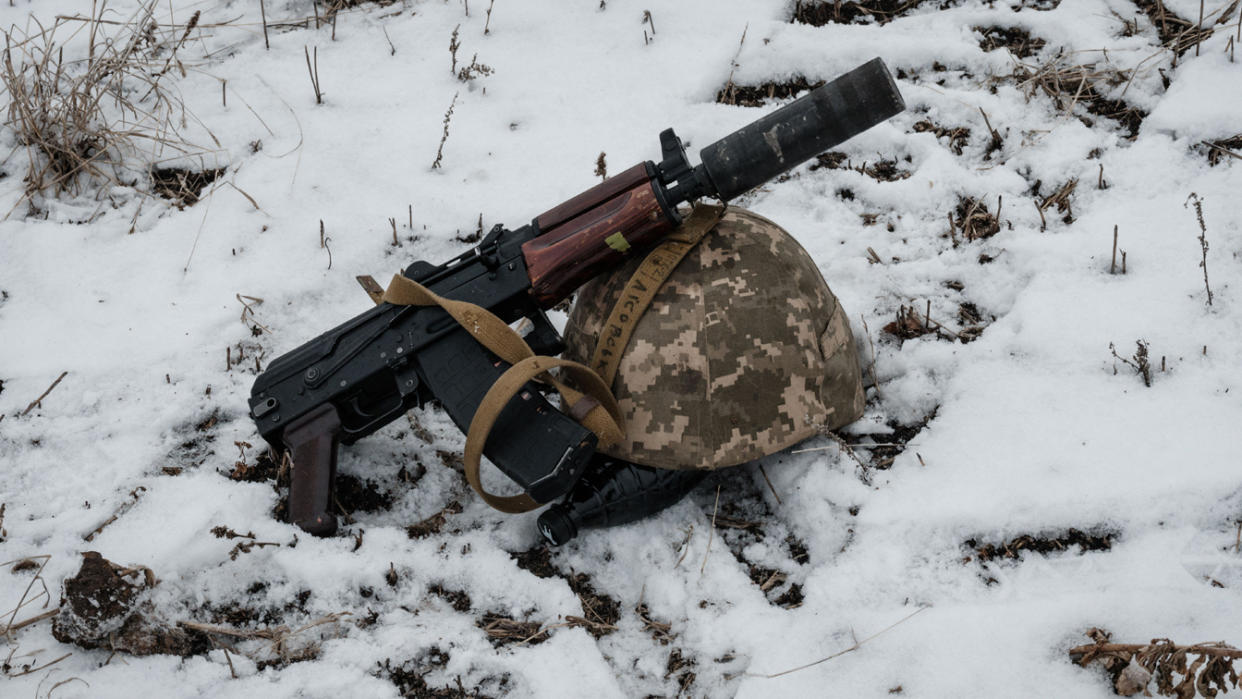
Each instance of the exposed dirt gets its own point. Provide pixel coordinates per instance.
(101, 608)
(758, 95)
(1070, 85)
(972, 321)
(1222, 151)
(457, 599)
(972, 220)
(819, 13)
(661, 632)
(958, 136)
(434, 523)
(264, 468)
(182, 187)
(744, 517)
(1019, 41)
(895, 443)
(1176, 33)
(1061, 199)
(356, 495)
(195, 449)
(410, 678)
(502, 630)
(682, 669)
(883, 170)
(601, 612)
(1098, 539)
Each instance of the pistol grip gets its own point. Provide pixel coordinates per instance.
(313, 441)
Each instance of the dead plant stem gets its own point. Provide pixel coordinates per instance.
(857, 644)
(38, 401)
(715, 509)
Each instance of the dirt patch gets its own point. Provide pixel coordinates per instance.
(601, 612)
(410, 677)
(182, 187)
(775, 586)
(817, 14)
(1019, 41)
(537, 561)
(503, 630)
(1069, 85)
(433, 524)
(457, 599)
(1060, 199)
(1177, 34)
(680, 669)
(972, 221)
(758, 95)
(797, 550)
(197, 447)
(104, 606)
(1224, 150)
(883, 454)
(661, 632)
(1098, 539)
(972, 322)
(914, 322)
(958, 136)
(265, 468)
(356, 495)
(882, 170)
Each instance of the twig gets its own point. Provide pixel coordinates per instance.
(394, 48)
(764, 471)
(21, 602)
(122, 509)
(1199, 33)
(729, 89)
(37, 401)
(34, 619)
(711, 531)
(263, 14)
(1112, 269)
(857, 644)
(685, 545)
(488, 23)
(314, 73)
(39, 668)
(875, 382)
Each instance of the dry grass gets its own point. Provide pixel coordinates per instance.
(1070, 85)
(1199, 670)
(111, 116)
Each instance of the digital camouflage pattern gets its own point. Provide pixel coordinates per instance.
(744, 351)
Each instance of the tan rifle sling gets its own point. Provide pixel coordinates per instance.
(594, 407)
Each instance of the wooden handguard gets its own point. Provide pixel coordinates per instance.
(594, 231)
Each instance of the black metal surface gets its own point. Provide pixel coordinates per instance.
(797, 132)
(613, 492)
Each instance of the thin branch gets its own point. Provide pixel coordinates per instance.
(38, 400)
(856, 646)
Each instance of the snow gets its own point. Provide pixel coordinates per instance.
(1037, 428)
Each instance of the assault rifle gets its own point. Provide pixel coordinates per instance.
(367, 372)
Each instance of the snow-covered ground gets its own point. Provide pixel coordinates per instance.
(1032, 429)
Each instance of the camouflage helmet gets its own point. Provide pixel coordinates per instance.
(743, 351)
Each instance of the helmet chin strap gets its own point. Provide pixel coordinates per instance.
(643, 285)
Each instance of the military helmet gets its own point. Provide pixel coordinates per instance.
(743, 351)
